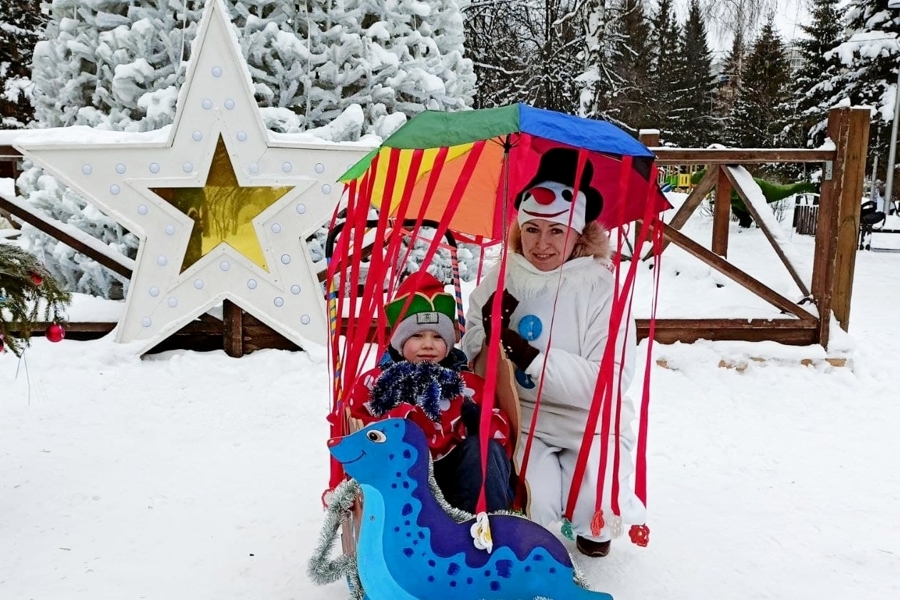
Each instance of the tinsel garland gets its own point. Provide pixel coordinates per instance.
(423, 384)
(323, 570)
(26, 287)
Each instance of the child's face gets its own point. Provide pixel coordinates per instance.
(425, 345)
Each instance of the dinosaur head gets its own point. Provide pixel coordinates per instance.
(383, 453)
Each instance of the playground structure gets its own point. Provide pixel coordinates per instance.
(837, 238)
(677, 177)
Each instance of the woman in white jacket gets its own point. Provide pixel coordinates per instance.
(559, 263)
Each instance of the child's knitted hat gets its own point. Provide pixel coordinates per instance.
(429, 309)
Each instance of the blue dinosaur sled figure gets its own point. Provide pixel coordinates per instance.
(410, 549)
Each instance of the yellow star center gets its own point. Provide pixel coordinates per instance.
(222, 211)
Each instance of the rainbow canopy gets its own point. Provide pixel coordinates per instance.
(467, 167)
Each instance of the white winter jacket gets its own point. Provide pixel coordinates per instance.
(580, 333)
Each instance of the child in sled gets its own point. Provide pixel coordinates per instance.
(425, 379)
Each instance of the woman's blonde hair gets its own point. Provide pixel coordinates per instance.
(593, 242)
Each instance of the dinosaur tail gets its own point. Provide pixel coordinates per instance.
(576, 592)
(581, 590)
(585, 594)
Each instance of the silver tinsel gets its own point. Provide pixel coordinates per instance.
(321, 568)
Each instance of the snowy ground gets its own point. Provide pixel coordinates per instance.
(188, 475)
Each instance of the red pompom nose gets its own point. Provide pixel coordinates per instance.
(334, 442)
(542, 196)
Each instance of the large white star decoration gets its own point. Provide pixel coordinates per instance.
(213, 225)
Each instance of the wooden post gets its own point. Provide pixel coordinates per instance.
(232, 329)
(837, 227)
(649, 137)
(850, 199)
(721, 214)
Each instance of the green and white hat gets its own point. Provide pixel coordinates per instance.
(430, 309)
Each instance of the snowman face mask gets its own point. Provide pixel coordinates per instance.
(553, 201)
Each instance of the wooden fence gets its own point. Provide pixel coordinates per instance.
(830, 292)
(837, 230)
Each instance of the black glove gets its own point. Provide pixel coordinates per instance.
(470, 413)
(507, 308)
(517, 348)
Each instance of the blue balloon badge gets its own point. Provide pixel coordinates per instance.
(530, 328)
(524, 379)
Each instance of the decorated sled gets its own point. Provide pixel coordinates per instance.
(505, 394)
(441, 180)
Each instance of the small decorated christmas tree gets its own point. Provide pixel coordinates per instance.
(26, 292)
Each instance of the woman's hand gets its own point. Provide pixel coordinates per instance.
(517, 348)
(507, 307)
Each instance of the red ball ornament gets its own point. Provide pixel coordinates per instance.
(36, 278)
(640, 535)
(55, 332)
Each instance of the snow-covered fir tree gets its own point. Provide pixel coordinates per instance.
(665, 66)
(811, 83)
(441, 53)
(390, 58)
(728, 87)
(119, 65)
(629, 75)
(111, 65)
(692, 124)
(869, 57)
(276, 56)
(759, 113)
(309, 62)
(21, 26)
